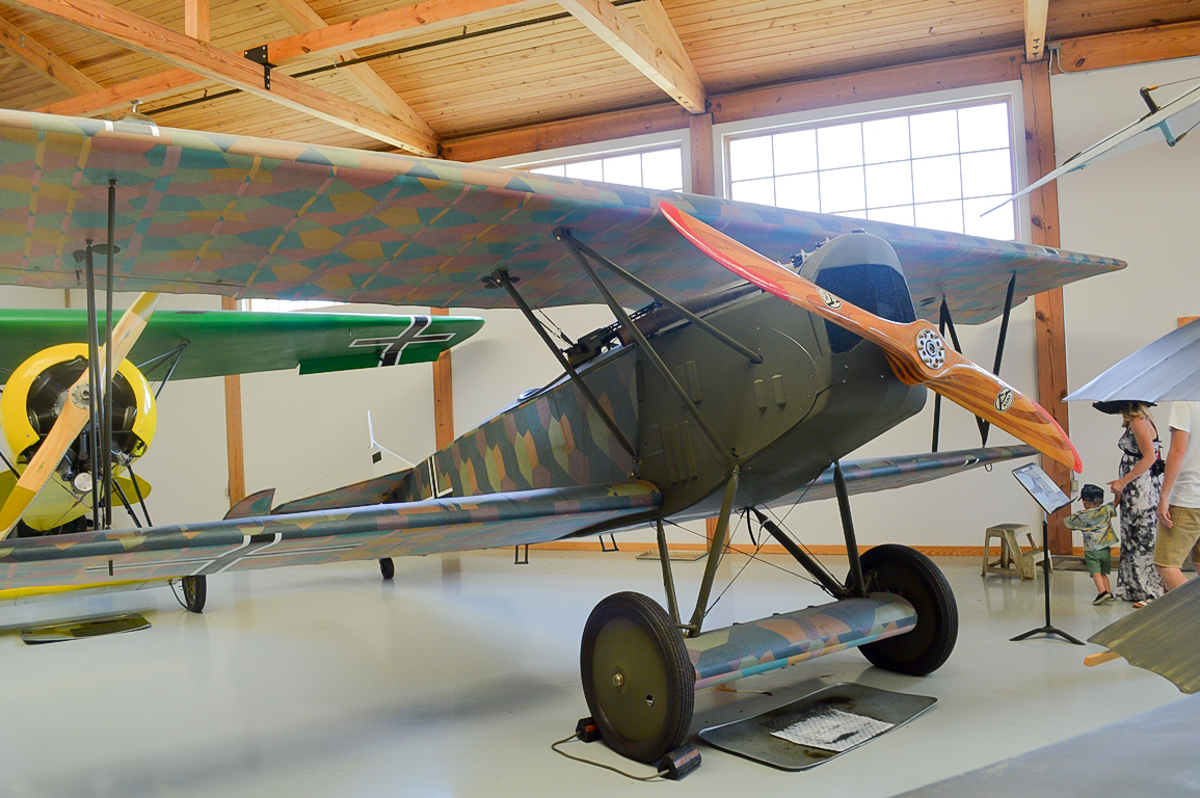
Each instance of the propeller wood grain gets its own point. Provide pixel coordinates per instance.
(915, 350)
(73, 417)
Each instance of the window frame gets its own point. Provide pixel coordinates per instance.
(1008, 91)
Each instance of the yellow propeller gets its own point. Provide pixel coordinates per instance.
(916, 351)
(72, 418)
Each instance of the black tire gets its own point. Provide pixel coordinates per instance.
(195, 593)
(387, 568)
(637, 678)
(913, 576)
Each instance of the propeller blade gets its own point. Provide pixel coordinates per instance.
(916, 350)
(73, 417)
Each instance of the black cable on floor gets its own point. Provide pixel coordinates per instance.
(659, 776)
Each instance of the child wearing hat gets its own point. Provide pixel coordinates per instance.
(1095, 522)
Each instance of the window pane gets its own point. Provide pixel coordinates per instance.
(886, 140)
(586, 170)
(795, 152)
(799, 192)
(900, 215)
(997, 224)
(983, 127)
(750, 158)
(623, 169)
(556, 170)
(760, 191)
(946, 216)
(936, 179)
(840, 145)
(663, 169)
(889, 184)
(934, 133)
(842, 190)
(986, 173)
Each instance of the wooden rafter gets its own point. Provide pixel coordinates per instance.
(32, 52)
(301, 16)
(652, 55)
(1181, 40)
(374, 29)
(144, 36)
(1036, 13)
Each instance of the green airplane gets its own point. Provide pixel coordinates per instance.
(53, 489)
(738, 383)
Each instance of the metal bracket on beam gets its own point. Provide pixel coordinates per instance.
(259, 56)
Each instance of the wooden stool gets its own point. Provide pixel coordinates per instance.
(1011, 555)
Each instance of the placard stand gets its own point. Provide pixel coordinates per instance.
(1046, 493)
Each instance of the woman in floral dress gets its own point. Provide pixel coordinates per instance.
(1138, 489)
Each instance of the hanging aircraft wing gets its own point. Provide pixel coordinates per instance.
(1169, 123)
(208, 213)
(1164, 370)
(222, 342)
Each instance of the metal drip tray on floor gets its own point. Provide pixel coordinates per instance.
(848, 715)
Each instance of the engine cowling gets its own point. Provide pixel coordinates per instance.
(37, 389)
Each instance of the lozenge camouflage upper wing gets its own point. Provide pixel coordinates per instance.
(209, 213)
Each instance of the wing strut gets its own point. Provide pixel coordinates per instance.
(946, 322)
(724, 454)
(501, 278)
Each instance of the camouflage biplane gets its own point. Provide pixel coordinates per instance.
(740, 384)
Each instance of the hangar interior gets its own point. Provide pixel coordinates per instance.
(455, 678)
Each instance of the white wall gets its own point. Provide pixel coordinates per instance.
(304, 434)
(1140, 207)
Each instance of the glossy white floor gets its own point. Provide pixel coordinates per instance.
(321, 681)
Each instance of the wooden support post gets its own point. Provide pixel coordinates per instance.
(443, 393)
(701, 142)
(233, 427)
(1048, 306)
(195, 19)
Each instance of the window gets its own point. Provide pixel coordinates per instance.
(280, 305)
(939, 168)
(660, 168)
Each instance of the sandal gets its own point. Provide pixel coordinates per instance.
(1137, 605)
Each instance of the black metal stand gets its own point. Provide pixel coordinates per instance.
(1049, 628)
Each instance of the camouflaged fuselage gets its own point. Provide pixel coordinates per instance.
(784, 420)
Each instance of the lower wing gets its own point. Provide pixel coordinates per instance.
(355, 533)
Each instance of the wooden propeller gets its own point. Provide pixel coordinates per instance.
(72, 418)
(916, 351)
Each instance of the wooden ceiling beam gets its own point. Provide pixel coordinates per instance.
(136, 33)
(1122, 48)
(374, 29)
(38, 56)
(649, 54)
(301, 16)
(1036, 14)
(195, 20)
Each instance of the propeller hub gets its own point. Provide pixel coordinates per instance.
(932, 349)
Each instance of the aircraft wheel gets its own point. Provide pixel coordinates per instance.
(637, 678)
(195, 592)
(387, 568)
(913, 576)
